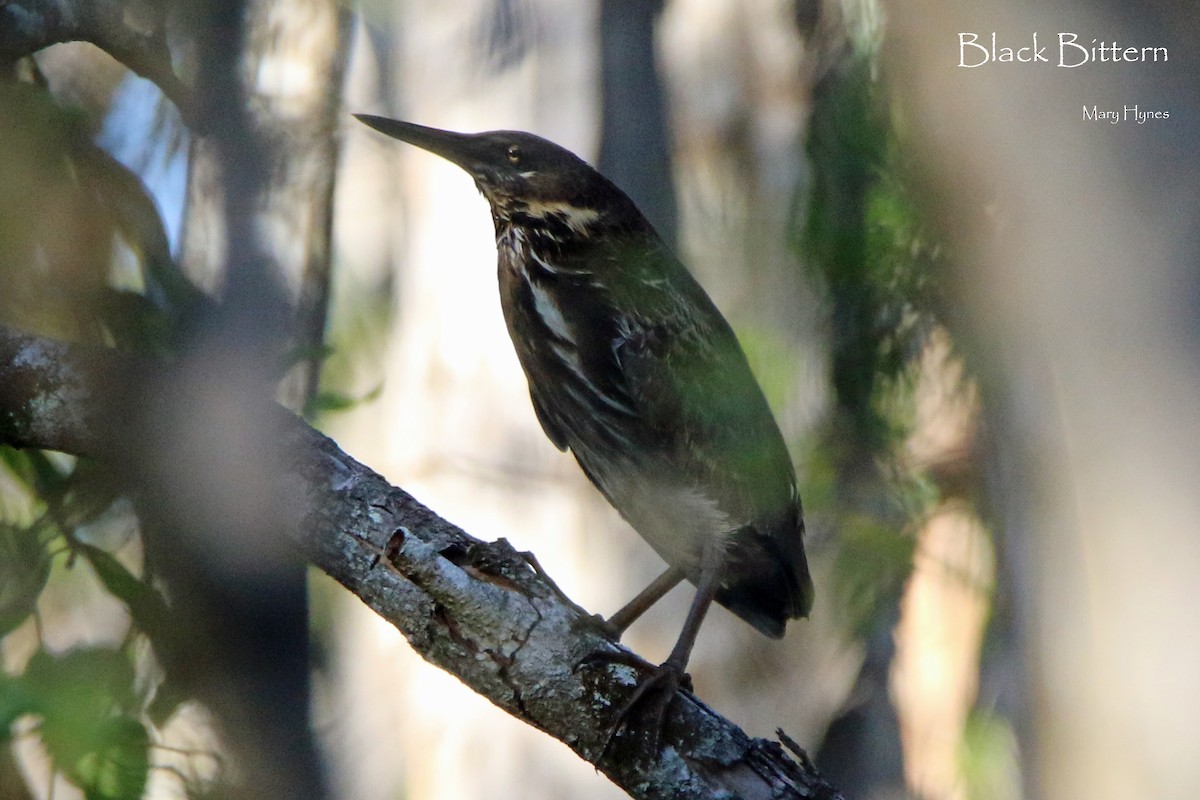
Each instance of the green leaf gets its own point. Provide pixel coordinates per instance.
(873, 562)
(989, 758)
(50, 478)
(80, 687)
(146, 606)
(24, 569)
(328, 401)
(150, 614)
(15, 702)
(135, 322)
(17, 462)
(312, 352)
(82, 698)
(118, 764)
(324, 402)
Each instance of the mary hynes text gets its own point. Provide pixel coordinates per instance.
(1126, 114)
(1066, 50)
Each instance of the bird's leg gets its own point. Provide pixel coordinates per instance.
(624, 617)
(615, 625)
(666, 679)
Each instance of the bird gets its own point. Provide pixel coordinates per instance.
(633, 369)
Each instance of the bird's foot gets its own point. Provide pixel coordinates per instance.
(621, 656)
(653, 694)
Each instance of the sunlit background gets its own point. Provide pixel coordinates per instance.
(975, 315)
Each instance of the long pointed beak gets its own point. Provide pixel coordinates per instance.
(463, 149)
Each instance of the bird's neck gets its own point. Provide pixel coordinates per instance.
(557, 222)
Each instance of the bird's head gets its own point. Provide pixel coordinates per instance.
(523, 176)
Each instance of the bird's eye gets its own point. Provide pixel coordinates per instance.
(514, 154)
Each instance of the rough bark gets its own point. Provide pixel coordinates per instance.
(476, 609)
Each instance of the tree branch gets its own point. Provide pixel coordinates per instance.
(131, 32)
(476, 609)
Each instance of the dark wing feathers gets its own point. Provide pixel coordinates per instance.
(652, 364)
(550, 425)
(687, 373)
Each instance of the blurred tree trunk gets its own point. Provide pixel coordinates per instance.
(256, 234)
(1079, 288)
(291, 66)
(846, 145)
(635, 141)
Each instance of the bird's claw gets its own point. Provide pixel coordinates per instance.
(620, 656)
(529, 558)
(654, 692)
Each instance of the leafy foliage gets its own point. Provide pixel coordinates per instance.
(88, 714)
(87, 718)
(24, 569)
(65, 208)
(863, 238)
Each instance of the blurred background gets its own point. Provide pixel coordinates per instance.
(975, 313)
